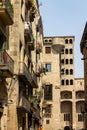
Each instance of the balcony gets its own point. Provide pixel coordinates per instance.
(24, 104)
(58, 45)
(24, 72)
(32, 14)
(6, 12)
(34, 80)
(31, 44)
(38, 47)
(6, 64)
(27, 31)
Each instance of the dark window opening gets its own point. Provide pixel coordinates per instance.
(48, 67)
(66, 61)
(47, 111)
(67, 117)
(47, 122)
(66, 41)
(71, 82)
(47, 50)
(46, 40)
(71, 61)
(62, 82)
(66, 51)
(80, 117)
(71, 51)
(70, 41)
(67, 82)
(48, 92)
(67, 71)
(71, 71)
(62, 61)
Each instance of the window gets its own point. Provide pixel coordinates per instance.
(47, 50)
(50, 40)
(62, 82)
(46, 40)
(66, 41)
(67, 82)
(48, 67)
(71, 51)
(71, 61)
(48, 111)
(47, 122)
(71, 82)
(71, 71)
(48, 92)
(70, 41)
(80, 117)
(67, 117)
(67, 71)
(62, 61)
(66, 61)
(66, 51)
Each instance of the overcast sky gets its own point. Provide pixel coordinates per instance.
(66, 18)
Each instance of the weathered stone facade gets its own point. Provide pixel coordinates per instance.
(67, 96)
(37, 84)
(83, 47)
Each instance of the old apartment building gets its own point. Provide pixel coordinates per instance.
(20, 52)
(83, 47)
(37, 84)
(63, 98)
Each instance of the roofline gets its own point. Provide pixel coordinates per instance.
(83, 35)
(59, 36)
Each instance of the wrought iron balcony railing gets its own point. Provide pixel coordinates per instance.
(34, 80)
(24, 72)
(24, 104)
(6, 64)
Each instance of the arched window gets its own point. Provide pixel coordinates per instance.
(71, 51)
(62, 61)
(71, 82)
(66, 51)
(70, 41)
(71, 61)
(67, 82)
(62, 82)
(67, 71)
(66, 41)
(71, 71)
(66, 61)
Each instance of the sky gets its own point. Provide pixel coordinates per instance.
(66, 18)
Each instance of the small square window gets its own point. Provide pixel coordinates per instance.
(47, 122)
(80, 117)
(47, 50)
(48, 67)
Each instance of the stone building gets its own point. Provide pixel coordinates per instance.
(6, 68)
(63, 99)
(83, 47)
(37, 84)
(20, 54)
